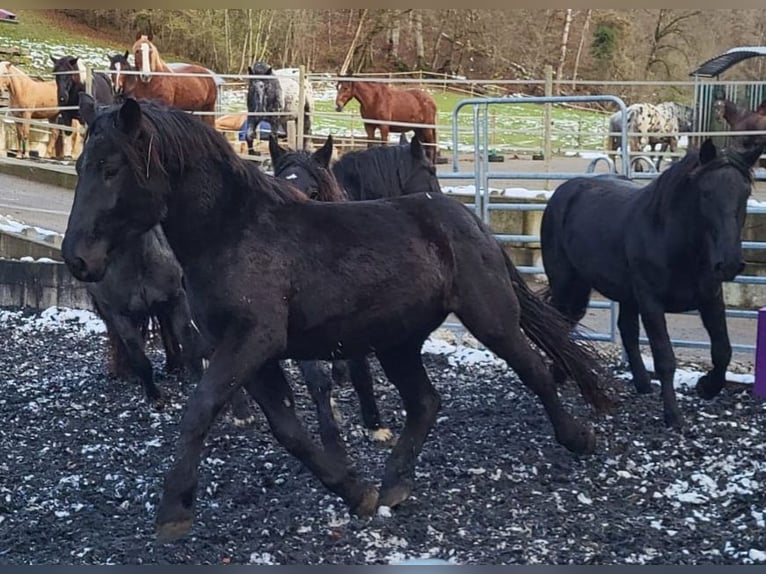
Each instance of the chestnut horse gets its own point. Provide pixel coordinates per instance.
(189, 93)
(39, 100)
(378, 101)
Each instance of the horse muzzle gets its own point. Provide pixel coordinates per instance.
(86, 262)
(338, 107)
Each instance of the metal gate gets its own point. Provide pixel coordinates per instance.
(481, 175)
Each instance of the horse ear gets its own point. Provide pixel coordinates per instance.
(323, 155)
(73, 61)
(127, 53)
(150, 36)
(130, 116)
(87, 108)
(415, 148)
(250, 71)
(403, 139)
(752, 153)
(275, 150)
(138, 35)
(54, 60)
(708, 151)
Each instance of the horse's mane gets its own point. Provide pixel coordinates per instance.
(176, 141)
(329, 190)
(674, 180)
(379, 167)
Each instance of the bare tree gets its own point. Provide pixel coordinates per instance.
(668, 30)
(583, 35)
(563, 49)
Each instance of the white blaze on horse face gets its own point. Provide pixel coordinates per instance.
(146, 68)
(117, 68)
(81, 67)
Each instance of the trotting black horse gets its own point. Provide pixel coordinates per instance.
(274, 275)
(372, 173)
(145, 282)
(70, 83)
(662, 248)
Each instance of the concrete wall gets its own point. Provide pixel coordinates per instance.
(39, 285)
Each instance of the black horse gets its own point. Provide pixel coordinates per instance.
(273, 275)
(70, 83)
(145, 282)
(662, 248)
(389, 171)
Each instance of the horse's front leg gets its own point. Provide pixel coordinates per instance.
(653, 317)
(384, 131)
(235, 359)
(713, 313)
(370, 129)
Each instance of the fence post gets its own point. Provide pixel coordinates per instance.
(547, 122)
(301, 106)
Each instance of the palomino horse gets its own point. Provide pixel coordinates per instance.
(378, 101)
(189, 93)
(38, 100)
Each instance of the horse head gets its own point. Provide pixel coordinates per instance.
(723, 182)
(345, 92)
(308, 172)
(120, 192)
(119, 63)
(146, 57)
(69, 73)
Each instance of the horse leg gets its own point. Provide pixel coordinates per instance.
(272, 392)
(627, 322)
(361, 378)
(713, 313)
(497, 326)
(653, 317)
(370, 129)
(170, 342)
(340, 372)
(384, 130)
(403, 366)
(319, 384)
(140, 365)
(236, 359)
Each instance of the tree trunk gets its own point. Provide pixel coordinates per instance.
(227, 38)
(350, 53)
(420, 55)
(583, 35)
(393, 42)
(563, 51)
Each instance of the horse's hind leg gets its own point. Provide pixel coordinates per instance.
(361, 378)
(404, 368)
(493, 318)
(139, 363)
(272, 392)
(319, 384)
(627, 322)
(713, 315)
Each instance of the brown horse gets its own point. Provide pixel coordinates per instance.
(378, 101)
(190, 93)
(741, 119)
(38, 100)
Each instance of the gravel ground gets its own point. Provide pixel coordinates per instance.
(82, 460)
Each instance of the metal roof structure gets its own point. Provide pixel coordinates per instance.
(719, 64)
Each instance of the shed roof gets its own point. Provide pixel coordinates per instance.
(716, 66)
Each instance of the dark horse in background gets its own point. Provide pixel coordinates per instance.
(662, 248)
(373, 173)
(265, 283)
(69, 73)
(742, 120)
(378, 101)
(276, 94)
(119, 63)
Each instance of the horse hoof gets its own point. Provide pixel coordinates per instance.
(644, 388)
(243, 422)
(382, 435)
(707, 388)
(172, 531)
(337, 417)
(367, 505)
(674, 421)
(580, 439)
(395, 495)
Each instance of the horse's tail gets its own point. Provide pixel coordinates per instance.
(551, 331)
